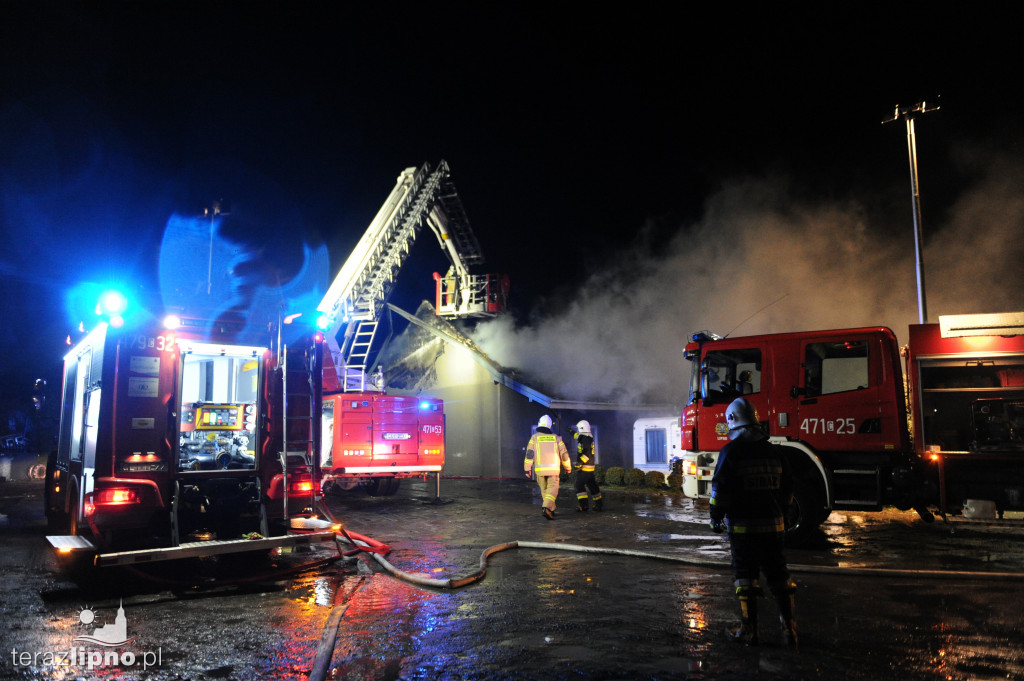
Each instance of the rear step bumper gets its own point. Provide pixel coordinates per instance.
(74, 544)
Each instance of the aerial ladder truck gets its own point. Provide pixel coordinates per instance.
(376, 439)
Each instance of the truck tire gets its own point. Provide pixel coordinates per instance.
(375, 486)
(56, 519)
(806, 514)
(382, 487)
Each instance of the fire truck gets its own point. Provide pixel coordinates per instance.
(181, 438)
(190, 436)
(863, 431)
(376, 439)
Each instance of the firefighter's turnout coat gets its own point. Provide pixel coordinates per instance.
(752, 486)
(587, 488)
(545, 454)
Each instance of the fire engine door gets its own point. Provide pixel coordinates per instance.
(86, 416)
(838, 395)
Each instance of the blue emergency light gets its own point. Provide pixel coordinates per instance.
(111, 304)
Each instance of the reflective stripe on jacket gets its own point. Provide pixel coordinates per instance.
(547, 451)
(585, 452)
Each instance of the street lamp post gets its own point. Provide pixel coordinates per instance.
(909, 113)
(214, 212)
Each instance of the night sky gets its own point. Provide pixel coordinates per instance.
(585, 144)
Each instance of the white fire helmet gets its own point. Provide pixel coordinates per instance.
(583, 428)
(545, 421)
(739, 415)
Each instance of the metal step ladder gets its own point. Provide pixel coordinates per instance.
(858, 487)
(359, 344)
(300, 430)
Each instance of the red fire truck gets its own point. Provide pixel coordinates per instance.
(378, 439)
(182, 438)
(374, 440)
(835, 401)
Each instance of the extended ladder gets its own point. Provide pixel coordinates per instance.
(357, 295)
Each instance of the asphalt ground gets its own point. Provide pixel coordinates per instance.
(880, 596)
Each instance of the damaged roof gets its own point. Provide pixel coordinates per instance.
(425, 324)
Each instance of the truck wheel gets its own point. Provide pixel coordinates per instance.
(805, 515)
(73, 520)
(373, 487)
(391, 486)
(56, 519)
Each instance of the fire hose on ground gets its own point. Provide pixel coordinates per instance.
(377, 550)
(363, 544)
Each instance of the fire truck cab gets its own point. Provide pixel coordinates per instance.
(834, 401)
(182, 439)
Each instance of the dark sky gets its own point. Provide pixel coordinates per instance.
(578, 138)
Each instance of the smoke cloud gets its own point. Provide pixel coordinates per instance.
(761, 261)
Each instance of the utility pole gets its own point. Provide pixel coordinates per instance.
(214, 212)
(909, 113)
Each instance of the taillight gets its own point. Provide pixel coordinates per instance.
(111, 496)
(116, 495)
(691, 467)
(300, 485)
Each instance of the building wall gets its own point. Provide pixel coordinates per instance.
(471, 414)
(487, 425)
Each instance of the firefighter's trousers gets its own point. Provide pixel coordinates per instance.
(586, 481)
(755, 552)
(548, 490)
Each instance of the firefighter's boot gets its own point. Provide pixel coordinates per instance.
(582, 504)
(785, 596)
(746, 632)
(598, 503)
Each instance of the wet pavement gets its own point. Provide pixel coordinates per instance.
(881, 596)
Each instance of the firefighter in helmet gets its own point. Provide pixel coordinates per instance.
(750, 492)
(545, 455)
(586, 481)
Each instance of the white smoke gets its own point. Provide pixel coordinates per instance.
(760, 262)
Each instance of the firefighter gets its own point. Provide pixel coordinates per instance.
(750, 492)
(545, 454)
(586, 481)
